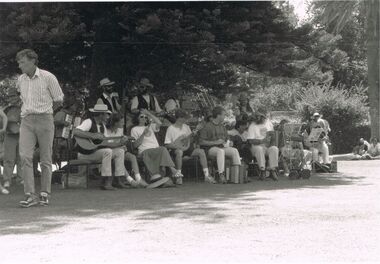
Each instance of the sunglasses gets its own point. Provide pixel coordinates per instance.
(142, 116)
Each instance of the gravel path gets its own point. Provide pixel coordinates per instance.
(328, 218)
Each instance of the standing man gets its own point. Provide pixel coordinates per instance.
(40, 93)
(109, 96)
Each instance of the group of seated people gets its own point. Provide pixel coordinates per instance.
(212, 140)
(366, 150)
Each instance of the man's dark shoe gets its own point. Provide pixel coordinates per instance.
(30, 200)
(222, 178)
(107, 184)
(262, 175)
(305, 174)
(118, 183)
(293, 175)
(44, 199)
(273, 175)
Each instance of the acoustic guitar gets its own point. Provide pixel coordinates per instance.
(88, 146)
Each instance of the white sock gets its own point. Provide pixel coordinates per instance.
(129, 179)
(205, 172)
(138, 176)
(179, 171)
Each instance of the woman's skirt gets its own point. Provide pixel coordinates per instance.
(155, 158)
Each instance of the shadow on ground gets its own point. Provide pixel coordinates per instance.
(206, 203)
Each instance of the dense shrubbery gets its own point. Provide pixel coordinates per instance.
(345, 112)
(277, 96)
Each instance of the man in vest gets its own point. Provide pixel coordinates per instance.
(109, 96)
(145, 100)
(94, 128)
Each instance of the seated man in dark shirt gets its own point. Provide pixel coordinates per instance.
(214, 140)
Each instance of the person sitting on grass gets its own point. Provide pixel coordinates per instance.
(374, 149)
(360, 150)
(178, 140)
(155, 157)
(115, 128)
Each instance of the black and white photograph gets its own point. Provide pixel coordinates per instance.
(190, 131)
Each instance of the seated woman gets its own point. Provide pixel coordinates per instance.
(360, 150)
(294, 160)
(374, 149)
(178, 139)
(154, 156)
(115, 128)
(238, 136)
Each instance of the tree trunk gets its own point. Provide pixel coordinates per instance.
(373, 60)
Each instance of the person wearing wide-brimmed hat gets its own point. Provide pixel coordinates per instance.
(145, 100)
(94, 129)
(109, 96)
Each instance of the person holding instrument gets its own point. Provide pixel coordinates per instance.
(262, 139)
(93, 130)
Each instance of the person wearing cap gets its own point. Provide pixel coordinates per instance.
(40, 94)
(178, 140)
(317, 120)
(320, 146)
(260, 136)
(214, 140)
(109, 96)
(145, 100)
(155, 157)
(94, 128)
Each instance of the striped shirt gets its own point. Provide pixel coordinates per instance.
(39, 92)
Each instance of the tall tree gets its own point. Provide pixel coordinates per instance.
(336, 14)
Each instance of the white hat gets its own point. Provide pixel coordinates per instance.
(316, 114)
(100, 108)
(105, 82)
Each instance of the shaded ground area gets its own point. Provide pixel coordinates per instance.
(330, 217)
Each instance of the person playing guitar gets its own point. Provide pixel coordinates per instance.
(92, 144)
(178, 140)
